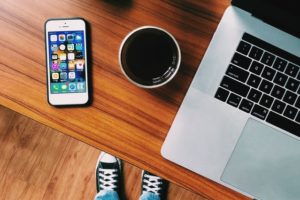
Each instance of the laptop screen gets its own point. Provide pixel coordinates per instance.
(284, 15)
(289, 6)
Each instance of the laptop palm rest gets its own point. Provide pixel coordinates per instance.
(265, 163)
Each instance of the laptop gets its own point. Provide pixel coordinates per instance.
(239, 123)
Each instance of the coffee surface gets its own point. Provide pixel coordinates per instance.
(150, 54)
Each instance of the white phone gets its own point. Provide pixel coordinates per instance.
(67, 62)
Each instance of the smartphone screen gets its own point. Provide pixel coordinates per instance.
(67, 62)
(67, 66)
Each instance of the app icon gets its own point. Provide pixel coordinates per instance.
(53, 38)
(78, 37)
(72, 75)
(63, 76)
(62, 56)
(55, 86)
(55, 66)
(78, 46)
(54, 47)
(71, 56)
(54, 57)
(80, 79)
(70, 47)
(71, 65)
(62, 47)
(61, 37)
(63, 65)
(72, 86)
(79, 55)
(80, 86)
(55, 76)
(70, 37)
(64, 86)
(79, 65)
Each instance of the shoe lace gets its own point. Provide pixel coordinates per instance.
(152, 184)
(108, 179)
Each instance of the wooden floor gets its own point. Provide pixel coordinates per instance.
(39, 163)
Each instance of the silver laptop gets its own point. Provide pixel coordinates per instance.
(239, 123)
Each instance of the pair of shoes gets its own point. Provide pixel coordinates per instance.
(108, 177)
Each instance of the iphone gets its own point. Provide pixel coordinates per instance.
(67, 62)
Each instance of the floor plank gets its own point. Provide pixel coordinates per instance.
(39, 163)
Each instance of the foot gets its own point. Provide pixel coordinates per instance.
(108, 173)
(154, 184)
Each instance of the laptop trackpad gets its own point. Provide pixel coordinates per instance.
(265, 163)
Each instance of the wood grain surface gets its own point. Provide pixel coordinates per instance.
(40, 163)
(123, 119)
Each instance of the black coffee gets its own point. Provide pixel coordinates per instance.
(149, 56)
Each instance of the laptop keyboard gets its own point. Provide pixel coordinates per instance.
(263, 80)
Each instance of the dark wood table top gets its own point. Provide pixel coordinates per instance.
(123, 119)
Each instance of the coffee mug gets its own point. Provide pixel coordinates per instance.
(149, 57)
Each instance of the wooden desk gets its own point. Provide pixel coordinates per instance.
(124, 120)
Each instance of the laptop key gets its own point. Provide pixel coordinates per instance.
(266, 86)
(235, 86)
(237, 73)
(280, 79)
(256, 53)
(278, 106)
(292, 70)
(254, 81)
(290, 112)
(298, 117)
(277, 92)
(234, 100)
(246, 105)
(254, 95)
(266, 101)
(280, 64)
(259, 112)
(298, 103)
(221, 94)
(268, 73)
(268, 59)
(256, 67)
(244, 48)
(283, 123)
(292, 84)
(289, 97)
(241, 60)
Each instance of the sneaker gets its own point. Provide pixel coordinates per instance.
(154, 184)
(108, 173)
